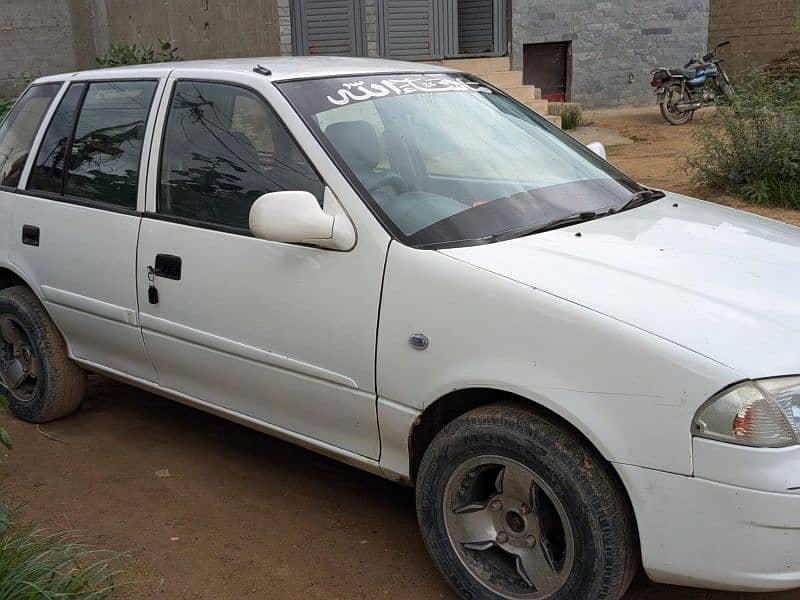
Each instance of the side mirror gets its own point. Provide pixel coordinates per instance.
(295, 217)
(598, 149)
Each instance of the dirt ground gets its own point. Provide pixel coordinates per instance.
(244, 516)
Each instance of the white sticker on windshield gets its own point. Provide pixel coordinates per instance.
(357, 91)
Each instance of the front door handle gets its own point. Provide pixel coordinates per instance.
(30, 235)
(168, 266)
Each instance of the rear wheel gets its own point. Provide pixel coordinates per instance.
(513, 505)
(38, 378)
(669, 107)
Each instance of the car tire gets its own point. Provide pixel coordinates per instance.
(575, 540)
(40, 382)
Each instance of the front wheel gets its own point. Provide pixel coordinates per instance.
(669, 107)
(727, 90)
(511, 504)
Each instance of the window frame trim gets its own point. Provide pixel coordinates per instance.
(150, 123)
(45, 117)
(167, 104)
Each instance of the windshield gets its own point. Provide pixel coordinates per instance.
(444, 159)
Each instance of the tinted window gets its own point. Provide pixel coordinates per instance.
(106, 151)
(48, 171)
(19, 128)
(223, 148)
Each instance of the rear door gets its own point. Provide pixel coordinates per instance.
(75, 225)
(268, 332)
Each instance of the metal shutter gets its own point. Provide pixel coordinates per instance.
(475, 26)
(329, 27)
(408, 29)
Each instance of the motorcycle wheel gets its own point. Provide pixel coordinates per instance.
(668, 109)
(726, 89)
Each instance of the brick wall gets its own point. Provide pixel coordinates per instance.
(759, 32)
(615, 44)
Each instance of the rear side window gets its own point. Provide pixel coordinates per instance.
(48, 171)
(19, 129)
(223, 148)
(94, 153)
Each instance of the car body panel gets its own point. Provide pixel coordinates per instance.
(631, 393)
(720, 282)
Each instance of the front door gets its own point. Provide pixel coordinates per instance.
(278, 333)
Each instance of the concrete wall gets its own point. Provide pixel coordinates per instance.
(35, 38)
(757, 36)
(53, 36)
(613, 42)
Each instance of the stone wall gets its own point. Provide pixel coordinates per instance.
(615, 44)
(757, 36)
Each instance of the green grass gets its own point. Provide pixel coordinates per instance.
(571, 118)
(752, 148)
(36, 564)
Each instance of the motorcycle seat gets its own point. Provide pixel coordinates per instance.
(688, 73)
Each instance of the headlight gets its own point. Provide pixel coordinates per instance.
(763, 413)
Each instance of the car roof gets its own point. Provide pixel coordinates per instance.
(282, 68)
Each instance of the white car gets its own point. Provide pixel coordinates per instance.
(397, 265)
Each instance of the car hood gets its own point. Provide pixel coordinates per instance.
(718, 281)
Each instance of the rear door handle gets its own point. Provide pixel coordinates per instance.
(168, 266)
(30, 235)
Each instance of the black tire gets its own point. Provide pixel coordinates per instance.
(605, 554)
(672, 116)
(59, 385)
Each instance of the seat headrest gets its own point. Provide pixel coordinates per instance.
(356, 142)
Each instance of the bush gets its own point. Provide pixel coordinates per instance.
(132, 54)
(38, 565)
(753, 148)
(571, 117)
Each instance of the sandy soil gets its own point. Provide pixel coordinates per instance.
(244, 516)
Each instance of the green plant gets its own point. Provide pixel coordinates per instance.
(21, 81)
(39, 565)
(752, 148)
(133, 54)
(571, 117)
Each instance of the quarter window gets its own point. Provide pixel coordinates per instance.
(223, 148)
(19, 128)
(101, 152)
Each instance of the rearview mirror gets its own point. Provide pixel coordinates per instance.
(295, 217)
(598, 149)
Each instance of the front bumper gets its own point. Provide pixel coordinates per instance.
(702, 533)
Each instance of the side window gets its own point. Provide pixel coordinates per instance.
(100, 152)
(223, 148)
(48, 171)
(19, 129)
(106, 151)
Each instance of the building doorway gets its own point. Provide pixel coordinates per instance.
(549, 67)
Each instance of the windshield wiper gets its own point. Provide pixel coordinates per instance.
(639, 198)
(580, 217)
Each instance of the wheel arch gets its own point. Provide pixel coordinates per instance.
(452, 405)
(10, 277)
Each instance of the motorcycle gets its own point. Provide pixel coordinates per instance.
(702, 82)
